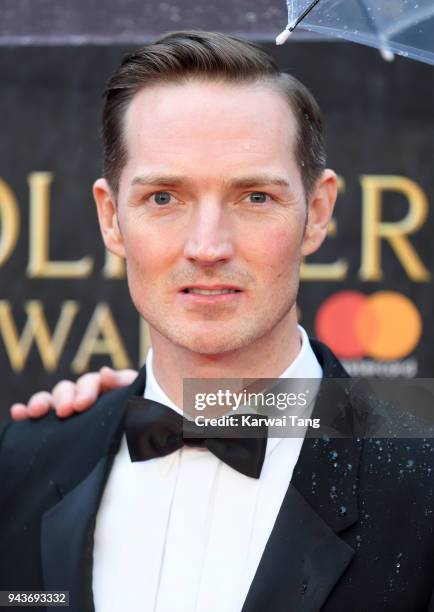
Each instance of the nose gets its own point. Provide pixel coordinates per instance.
(209, 238)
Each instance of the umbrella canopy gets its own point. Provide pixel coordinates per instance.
(402, 27)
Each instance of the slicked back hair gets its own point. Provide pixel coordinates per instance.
(209, 56)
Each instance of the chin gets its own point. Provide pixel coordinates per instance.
(205, 347)
(207, 339)
(214, 342)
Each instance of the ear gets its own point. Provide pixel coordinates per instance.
(320, 210)
(108, 217)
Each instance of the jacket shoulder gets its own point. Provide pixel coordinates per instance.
(49, 443)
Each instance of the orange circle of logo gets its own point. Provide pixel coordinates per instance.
(386, 325)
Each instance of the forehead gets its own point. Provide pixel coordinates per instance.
(198, 122)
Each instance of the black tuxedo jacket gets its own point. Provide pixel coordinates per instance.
(354, 532)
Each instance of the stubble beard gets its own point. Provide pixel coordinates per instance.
(218, 339)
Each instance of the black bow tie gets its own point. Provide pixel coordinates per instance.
(155, 430)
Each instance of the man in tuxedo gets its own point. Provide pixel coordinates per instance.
(214, 188)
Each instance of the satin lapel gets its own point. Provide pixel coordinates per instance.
(305, 557)
(68, 527)
(67, 539)
(301, 562)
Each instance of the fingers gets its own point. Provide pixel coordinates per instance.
(112, 379)
(63, 398)
(38, 406)
(88, 388)
(68, 397)
(19, 412)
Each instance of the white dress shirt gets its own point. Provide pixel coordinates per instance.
(186, 532)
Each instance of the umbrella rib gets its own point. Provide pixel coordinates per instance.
(384, 49)
(411, 20)
(303, 15)
(286, 33)
(368, 16)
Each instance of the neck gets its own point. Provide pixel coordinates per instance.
(173, 363)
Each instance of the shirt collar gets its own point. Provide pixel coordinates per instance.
(305, 365)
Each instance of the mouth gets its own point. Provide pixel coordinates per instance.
(213, 291)
(199, 296)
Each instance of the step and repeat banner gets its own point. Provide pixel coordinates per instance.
(64, 304)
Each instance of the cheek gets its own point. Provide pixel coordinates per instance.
(147, 254)
(276, 253)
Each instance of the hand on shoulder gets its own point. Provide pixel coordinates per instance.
(68, 397)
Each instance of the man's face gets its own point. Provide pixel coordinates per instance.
(211, 197)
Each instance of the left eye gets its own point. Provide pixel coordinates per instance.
(162, 197)
(258, 197)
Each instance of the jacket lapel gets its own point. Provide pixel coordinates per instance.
(68, 527)
(67, 539)
(301, 563)
(305, 557)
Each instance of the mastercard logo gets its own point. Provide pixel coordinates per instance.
(385, 325)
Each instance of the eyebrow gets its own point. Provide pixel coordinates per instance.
(157, 179)
(240, 182)
(259, 179)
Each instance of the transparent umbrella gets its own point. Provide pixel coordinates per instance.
(401, 27)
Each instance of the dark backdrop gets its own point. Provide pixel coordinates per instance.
(379, 122)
